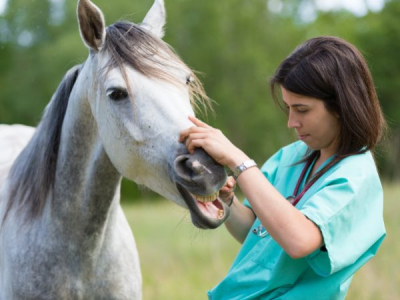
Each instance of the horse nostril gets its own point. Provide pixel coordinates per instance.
(189, 168)
(199, 173)
(183, 167)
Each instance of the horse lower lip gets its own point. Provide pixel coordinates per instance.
(205, 215)
(211, 209)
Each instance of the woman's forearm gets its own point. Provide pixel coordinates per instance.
(296, 234)
(240, 220)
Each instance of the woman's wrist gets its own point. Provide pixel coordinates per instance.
(236, 160)
(247, 164)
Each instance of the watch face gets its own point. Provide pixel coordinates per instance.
(242, 167)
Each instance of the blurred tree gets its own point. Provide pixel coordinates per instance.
(29, 71)
(381, 44)
(235, 44)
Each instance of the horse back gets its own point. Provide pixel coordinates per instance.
(13, 139)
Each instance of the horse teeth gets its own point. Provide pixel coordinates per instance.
(220, 214)
(206, 198)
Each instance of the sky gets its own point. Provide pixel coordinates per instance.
(358, 7)
(2, 6)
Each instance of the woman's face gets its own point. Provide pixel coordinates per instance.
(314, 124)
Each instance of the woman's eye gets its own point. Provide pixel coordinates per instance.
(302, 111)
(117, 94)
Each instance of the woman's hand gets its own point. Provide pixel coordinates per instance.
(227, 192)
(214, 142)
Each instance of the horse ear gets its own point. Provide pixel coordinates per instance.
(155, 19)
(91, 24)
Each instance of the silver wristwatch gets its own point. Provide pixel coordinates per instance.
(243, 167)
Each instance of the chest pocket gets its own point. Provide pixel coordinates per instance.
(282, 271)
(266, 252)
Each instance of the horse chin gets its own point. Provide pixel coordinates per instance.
(204, 214)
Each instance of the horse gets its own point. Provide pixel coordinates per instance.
(13, 139)
(118, 114)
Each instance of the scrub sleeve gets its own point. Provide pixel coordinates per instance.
(349, 214)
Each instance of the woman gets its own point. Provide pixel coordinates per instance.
(310, 246)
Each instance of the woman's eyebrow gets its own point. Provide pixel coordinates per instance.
(294, 105)
(298, 105)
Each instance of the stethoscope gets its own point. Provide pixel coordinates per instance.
(260, 231)
(293, 199)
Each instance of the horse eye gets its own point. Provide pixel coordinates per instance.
(189, 80)
(117, 94)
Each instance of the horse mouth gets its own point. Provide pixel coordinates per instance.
(207, 212)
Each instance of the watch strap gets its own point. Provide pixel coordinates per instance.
(243, 167)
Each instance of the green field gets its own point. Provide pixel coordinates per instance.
(180, 262)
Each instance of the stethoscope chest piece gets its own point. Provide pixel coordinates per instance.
(260, 231)
(291, 199)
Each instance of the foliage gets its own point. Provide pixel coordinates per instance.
(235, 44)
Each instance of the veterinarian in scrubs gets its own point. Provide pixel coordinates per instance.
(313, 212)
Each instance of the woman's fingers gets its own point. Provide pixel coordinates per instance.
(211, 140)
(229, 186)
(200, 127)
(194, 134)
(198, 123)
(191, 130)
(231, 182)
(226, 192)
(196, 140)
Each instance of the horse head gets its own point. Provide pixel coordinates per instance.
(141, 94)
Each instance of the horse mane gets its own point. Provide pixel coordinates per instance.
(32, 175)
(129, 44)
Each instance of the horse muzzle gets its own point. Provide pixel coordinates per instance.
(198, 178)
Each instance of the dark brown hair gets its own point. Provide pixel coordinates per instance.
(335, 72)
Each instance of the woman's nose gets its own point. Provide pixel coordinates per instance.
(293, 122)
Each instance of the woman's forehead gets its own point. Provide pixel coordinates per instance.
(294, 99)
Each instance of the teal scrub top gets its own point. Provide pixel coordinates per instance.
(346, 203)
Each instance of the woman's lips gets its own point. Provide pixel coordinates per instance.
(303, 136)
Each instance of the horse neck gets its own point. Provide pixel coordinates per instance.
(86, 187)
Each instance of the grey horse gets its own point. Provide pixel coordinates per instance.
(63, 233)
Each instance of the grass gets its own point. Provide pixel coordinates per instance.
(379, 279)
(180, 262)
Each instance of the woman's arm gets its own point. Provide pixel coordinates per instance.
(296, 234)
(240, 220)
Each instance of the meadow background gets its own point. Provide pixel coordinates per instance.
(235, 45)
(180, 262)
